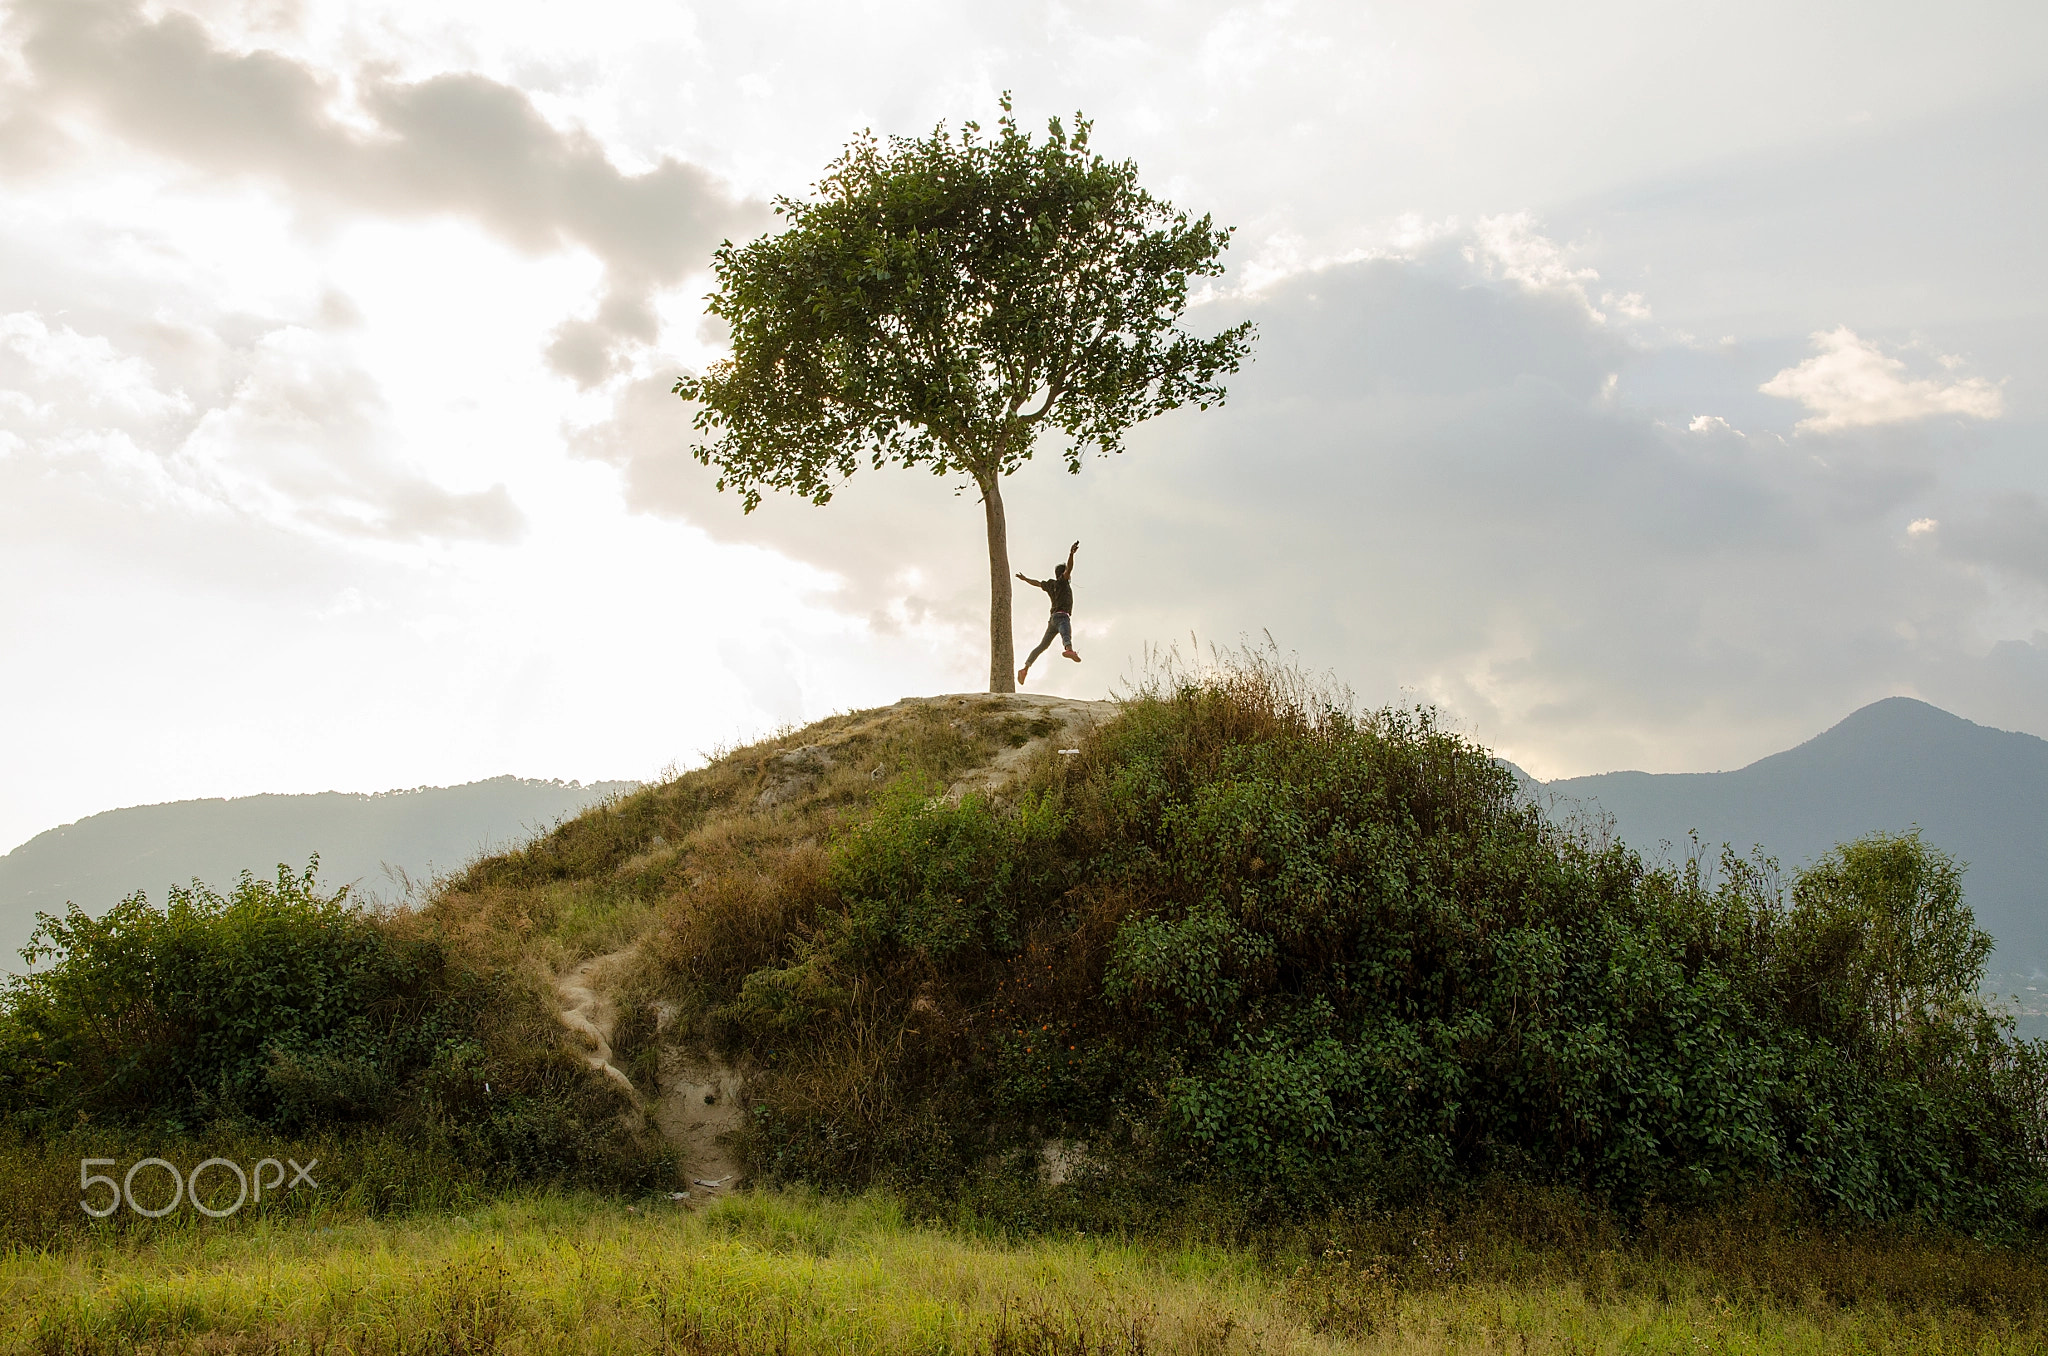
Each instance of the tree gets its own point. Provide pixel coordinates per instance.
(1882, 944)
(939, 303)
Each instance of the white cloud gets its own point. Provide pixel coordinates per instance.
(301, 438)
(1510, 246)
(76, 405)
(61, 373)
(1920, 527)
(454, 144)
(1628, 305)
(1851, 383)
(306, 438)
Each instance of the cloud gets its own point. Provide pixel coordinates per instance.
(300, 436)
(1852, 384)
(454, 144)
(413, 508)
(2009, 532)
(1422, 485)
(1511, 246)
(305, 436)
(53, 375)
(894, 541)
(75, 404)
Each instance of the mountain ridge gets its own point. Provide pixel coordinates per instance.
(102, 858)
(1977, 792)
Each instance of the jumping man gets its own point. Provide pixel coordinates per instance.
(1061, 587)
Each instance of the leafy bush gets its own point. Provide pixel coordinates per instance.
(277, 1003)
(278, 1007)
(1248, 938)
(939, 880)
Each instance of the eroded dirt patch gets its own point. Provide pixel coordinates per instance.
(698, 1108)
(697, 1103)
(585, 1006)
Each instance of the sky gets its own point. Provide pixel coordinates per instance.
(1645, 385)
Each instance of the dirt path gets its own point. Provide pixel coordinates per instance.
(700, 1105)
(587, 1012)
(696, 1104)
(1074, 717)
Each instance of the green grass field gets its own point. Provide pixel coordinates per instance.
(784, 1272)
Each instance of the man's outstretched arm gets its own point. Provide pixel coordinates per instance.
(1070, 558)
(1035, 583)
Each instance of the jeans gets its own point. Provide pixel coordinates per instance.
(1056, 625)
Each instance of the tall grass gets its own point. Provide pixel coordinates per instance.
(792, 1272)
(362, 1173)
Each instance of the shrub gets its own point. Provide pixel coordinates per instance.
(1248, 938)
(942, 882)
(278, 1007)
(277, 1002)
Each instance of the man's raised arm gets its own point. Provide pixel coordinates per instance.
(1070, 558)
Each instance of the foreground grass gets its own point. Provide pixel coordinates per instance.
(782, 1272)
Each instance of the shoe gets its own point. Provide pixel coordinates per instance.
(1071, 655)
(1022, 674)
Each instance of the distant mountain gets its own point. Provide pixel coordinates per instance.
(102, 859)
(1978, 793)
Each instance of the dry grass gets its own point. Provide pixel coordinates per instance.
(711, 875)
(754, 812)
(790, 1273)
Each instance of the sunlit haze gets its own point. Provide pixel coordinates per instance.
(1646, 385)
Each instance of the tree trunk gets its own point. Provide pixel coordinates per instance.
(1002, 644)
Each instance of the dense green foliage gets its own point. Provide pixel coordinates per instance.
(1320, 958)
(942, 882)
(280, 1008)
(941, 298)
(278, 1003)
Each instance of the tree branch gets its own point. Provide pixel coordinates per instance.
(1055, 387)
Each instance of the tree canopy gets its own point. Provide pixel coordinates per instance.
(943, 300)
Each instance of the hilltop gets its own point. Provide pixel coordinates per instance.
(1231, 933)
(604, 903)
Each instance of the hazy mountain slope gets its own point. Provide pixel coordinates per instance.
(1977, 792)
(100, 859)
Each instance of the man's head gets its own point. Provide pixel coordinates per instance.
(1059, 571)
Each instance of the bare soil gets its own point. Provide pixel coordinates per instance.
(697, 1102)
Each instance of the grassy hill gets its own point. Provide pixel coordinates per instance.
(1061, 1004)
